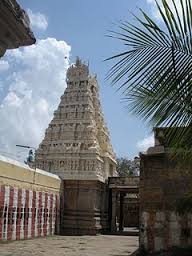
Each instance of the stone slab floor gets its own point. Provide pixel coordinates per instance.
(72, 246)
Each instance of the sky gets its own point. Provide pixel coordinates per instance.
(32, 79)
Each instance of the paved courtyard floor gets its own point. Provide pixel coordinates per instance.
(72, 246)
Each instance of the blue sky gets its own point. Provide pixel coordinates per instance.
(83, 25)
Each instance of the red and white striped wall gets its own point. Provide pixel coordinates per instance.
(26, 214)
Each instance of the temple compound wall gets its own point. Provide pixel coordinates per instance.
(164, 183)
(29, 201)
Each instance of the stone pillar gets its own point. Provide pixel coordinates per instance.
(121, 213)
(114, 211)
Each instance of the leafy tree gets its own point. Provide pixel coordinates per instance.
(122, 166)
(155, 70)
(126, 167)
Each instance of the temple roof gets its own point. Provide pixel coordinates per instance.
(15, 26)
(78, 71)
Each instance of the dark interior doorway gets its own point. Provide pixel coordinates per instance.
(124, 204)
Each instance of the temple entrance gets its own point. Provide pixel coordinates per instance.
(124, 205)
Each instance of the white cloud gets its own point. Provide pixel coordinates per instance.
(38, 20)
(36, 82)
(144, 144)
(4, 65)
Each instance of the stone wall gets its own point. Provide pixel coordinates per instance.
(163, 183)
(29, 201)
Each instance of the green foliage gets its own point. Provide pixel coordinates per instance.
(155, 70)
(126, 167)
(122, 167)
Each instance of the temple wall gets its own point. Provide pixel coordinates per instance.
(163, 182)
(29, 201)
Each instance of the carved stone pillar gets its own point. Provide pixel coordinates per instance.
(114, 211)
(121, 213)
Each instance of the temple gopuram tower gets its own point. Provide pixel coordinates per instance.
(77, 147)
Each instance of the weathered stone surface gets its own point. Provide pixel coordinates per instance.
(163, 182)
(131, 182)
(15, 26)
(73, 246)
(85, 208)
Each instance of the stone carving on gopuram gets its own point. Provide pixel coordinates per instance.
(76, 145)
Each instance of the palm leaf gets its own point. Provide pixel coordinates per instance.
(155, 71)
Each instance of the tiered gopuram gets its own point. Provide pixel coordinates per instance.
(77, 148)
(76, 144)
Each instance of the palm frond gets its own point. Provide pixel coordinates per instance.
(155, 71)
